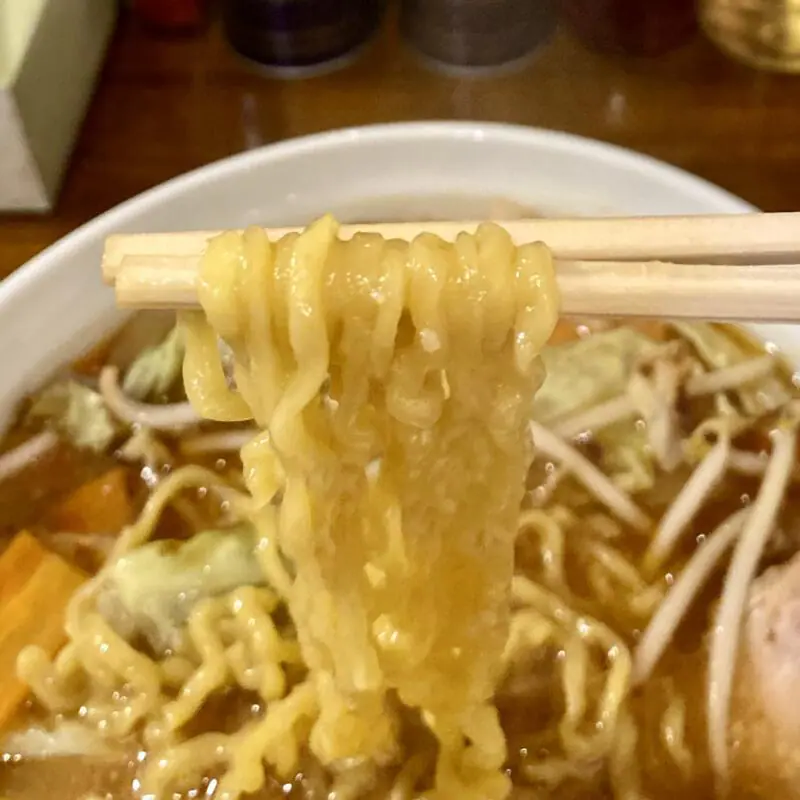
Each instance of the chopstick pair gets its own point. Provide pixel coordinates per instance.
(731, 268)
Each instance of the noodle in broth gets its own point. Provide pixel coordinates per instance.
(400, 596)
(392, 384)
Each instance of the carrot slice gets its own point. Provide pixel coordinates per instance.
(102, 505)
(35, 586)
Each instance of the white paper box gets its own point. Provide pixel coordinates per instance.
(50, 55)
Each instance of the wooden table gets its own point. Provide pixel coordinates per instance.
(166, 106)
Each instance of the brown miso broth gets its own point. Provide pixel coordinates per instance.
(671, 757)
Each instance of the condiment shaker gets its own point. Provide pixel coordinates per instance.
(300, 37)
(476, 34)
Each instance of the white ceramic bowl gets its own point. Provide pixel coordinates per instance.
(56, 306)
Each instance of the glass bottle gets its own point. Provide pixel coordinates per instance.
(761, 33)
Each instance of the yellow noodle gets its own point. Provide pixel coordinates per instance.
(673, 733)
(623, 762)
(574, 678)
(185, 763)
(176, 670)
(259, 648)
(139, 675)
(355, 781)
(406, 781)
(277, 738)
(612, 576)
(61, 685)
(551, 533)
(528, 630)
(211, 675)
(95, 650)
(392, 383)
(119, 687)
(580, 632)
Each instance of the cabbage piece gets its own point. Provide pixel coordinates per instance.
(152, 589)
(719, 349)
(78, 413)
(585, 372)
(627, 456)
(156, 369)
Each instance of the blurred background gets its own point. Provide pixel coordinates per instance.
(100, 100)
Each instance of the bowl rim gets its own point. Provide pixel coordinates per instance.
(404, 133)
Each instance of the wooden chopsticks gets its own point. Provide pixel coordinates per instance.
(732, 267)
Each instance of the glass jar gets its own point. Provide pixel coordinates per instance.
(761, 33)
(468, 35)
(634, 27)
(295, 38)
